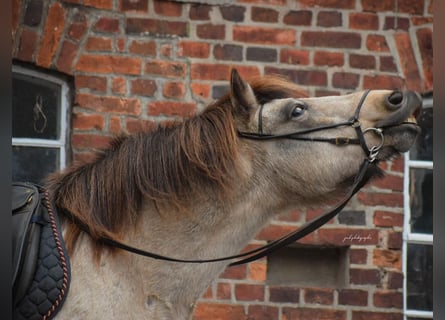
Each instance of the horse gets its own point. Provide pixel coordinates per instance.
(202, 188)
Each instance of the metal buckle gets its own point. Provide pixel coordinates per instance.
(340, 141)
(374, 150)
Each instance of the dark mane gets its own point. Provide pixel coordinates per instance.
(172, 165)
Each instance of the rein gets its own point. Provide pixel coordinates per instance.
(360, 180)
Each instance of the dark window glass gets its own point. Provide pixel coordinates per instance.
(423, 148)
(420, 277)
(33, 164)
(36, 107)
(421, 200)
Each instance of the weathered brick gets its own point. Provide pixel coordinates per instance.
(52, 33)
(329, 19)
(284, 294)
(235, 273)
(264, 35)
(387, 258)
(174, 90)
(418, 21)
(388, 219)
(107, 25)
(345, 80)
(262, 312)
(233, 13)
(369, 315)
(224, 291)
(348, 236)
(257, 271)
(93, 83)
(119, 85)
(319, 296)
(166, 69)
(383, 82)
(66, 57)
(303, 77)
(264, 15)
(90, 141)
(200, 89)
(353, 297)
(249, 292)
(388, 299)
(118, 105)
(141, 26)
(389, 182)
(261, 54)
(395, 280)
(397, 23)
(298, 18)
(142, 47)
(138, 125)
(168, 8)
(394, 199)
(170, 108)
(358, 256)
(272, 232)
(300, 313)
(395, 240)
(388, 64)
(376, 42)
(166, 50)
(363, 21)
(33, 13)
(411, 6)
(332, 39)
(336, 4)
(78, 26)
(365, 277)
(115, 125)
(211, 31)
(99, 44)
(193, 49)
(218, 311)
(85, 121)
(109, 64)
(408, 61)
(361, 61)
(377, 6)
(425, 42)
(228, 52)
(326, 58)
(268, 2)
(143, 87)
(200, 11)
(352, 217)
(204, 71)
(27, 45)
(99, 4)
(134, 5)
(294, 56)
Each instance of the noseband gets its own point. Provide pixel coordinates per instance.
(354, 122)
(360, 180)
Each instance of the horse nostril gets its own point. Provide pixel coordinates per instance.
(394, 100)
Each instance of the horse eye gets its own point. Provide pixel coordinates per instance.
(297, 111)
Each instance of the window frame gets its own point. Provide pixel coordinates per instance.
(412, 237)
(64, 117)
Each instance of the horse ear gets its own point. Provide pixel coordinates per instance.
(241, 95)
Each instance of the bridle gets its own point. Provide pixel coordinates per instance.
(360, 180)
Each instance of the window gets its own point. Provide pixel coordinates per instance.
(39, 118)
(418, 226)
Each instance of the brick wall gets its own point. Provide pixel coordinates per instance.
(137, 63)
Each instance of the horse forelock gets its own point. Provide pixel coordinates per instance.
(171, 165)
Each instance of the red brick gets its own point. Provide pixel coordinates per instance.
(369, 315)
(217, 311)
(418, 21)
(397, 23)
(200, 89)
(229, 52)
(329, 19)
(395, 280)
(294, 56)
(408, 61)
(377, 43)
(267, 15)
(257, 271)
(140, 6)
(155, 26)
(336, 4)
(78, 26)
(107, 25)
(388, 64)
(363, 21)
(345, 80)
(209, 71)
(236, 272)
(411, 6)
(353, 297)
(331, 39)
(232, 13)
(145, 48)
(389, 182)
(224, 291)
(199, 11)
(264, 35)
(84, 157)
(358, 256)
(395, 240)
(249, 292)
(115, 125)
(193, 49)
(388, 299)
(298, 18)
(171, 108)
(87, 141)
(377, 6)
(143, 87)
(268, 2)
(299, 313)
(109, 64)
(284, 294)
(326, 58)
(383, 82)
(208, 294)
(99, 4)
(211, 31)
(27, 45)
(66, 57)
(365, 277)
(362, 61)
(319, 296)
(85, 121)
(388, 219)
(261, 312)
(139, 125)
(425, 42)
(167, 69)
(99, 44)
(394, 199)
(91, 82)
(348, 236)
(387, 258)
(52, 33)
(174, 90)
(119, 85)
(109, 104)
(272, 232)
(167, 8)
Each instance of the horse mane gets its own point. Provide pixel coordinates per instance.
(171, 165)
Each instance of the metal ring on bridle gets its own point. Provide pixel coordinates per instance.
(374, 150)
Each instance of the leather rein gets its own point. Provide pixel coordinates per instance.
(360, 180)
